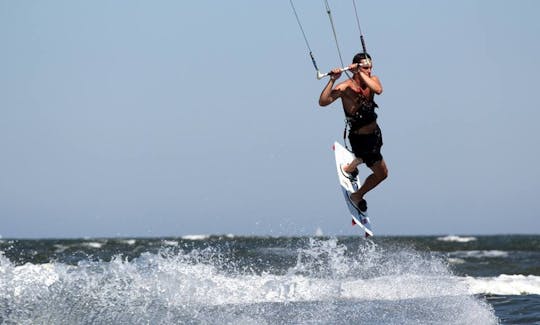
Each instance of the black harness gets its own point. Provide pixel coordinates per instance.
(364, 115)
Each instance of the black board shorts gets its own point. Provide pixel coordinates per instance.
(367, 146)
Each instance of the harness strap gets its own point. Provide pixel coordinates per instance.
(347, 127)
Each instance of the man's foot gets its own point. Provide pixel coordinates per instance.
(352, 176)
(361, 205)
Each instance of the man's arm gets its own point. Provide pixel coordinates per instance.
(372, 82)
(329, 95)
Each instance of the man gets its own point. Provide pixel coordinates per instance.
(365, 135)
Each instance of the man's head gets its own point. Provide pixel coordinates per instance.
(363, 59)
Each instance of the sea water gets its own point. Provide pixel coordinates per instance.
(271, 280)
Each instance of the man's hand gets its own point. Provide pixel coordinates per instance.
(353, 67)
(335, 74)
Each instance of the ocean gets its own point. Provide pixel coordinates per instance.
(271, 280)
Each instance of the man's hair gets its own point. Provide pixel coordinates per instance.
(360, 56)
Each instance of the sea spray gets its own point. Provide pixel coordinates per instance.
(316, 281)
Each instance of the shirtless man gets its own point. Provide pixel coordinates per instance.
(364, 134)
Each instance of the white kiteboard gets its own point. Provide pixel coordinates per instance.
(348, 186)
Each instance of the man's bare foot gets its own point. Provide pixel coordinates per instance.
(347, 169)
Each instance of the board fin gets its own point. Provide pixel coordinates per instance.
(353, 222)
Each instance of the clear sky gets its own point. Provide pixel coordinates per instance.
(169, 118)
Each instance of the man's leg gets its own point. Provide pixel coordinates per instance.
(380, 172)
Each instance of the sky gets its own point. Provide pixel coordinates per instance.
(171, 118)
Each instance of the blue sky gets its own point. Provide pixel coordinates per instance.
(166, 118)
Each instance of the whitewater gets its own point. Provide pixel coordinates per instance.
(250, 280)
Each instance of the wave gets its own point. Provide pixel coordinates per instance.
(169, 242)
(196, 237)
(479, 254)
(204, 237)
(504, 284)
(330, 283)
(456, 239)
(128, 241)
(93, 244)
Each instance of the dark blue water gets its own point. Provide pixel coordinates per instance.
(256, 280)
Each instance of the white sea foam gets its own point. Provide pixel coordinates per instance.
(456, 260)
(283, 251)
(92, 244)
(504, 285)
(29, 278)
(207, 285)
(128, 241)
(195, 237)
(169, 243)
(479, 254)
(60, 248)
(457, 239)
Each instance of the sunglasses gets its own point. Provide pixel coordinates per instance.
(365, 64)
